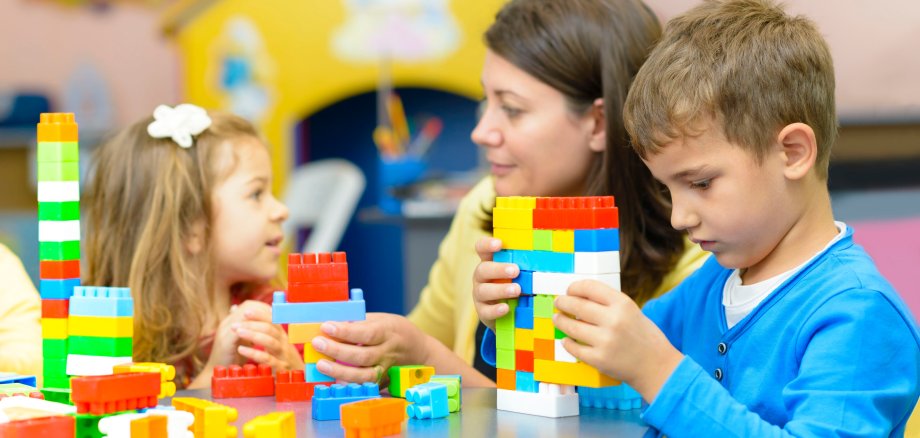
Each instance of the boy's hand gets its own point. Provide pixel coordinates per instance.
(492, 283)
(256, 328)
(615, 337)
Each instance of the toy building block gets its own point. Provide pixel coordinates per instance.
(99, 395)
(69, 250)
(317, 268)
(18, 378)
(59, 269)
(597, 240)
(284, 312)
(58, 152)
(503, 256)
(88, 425)
(54, 348)
(58, 171)
(428, 400)
(100, 326)
(151, 426)
(524, 381)
(54, 371)
(406, 376)
(328, 399)
(523, 339)
(57, 426)
(157, 422)
(514, 238)
(59, 211)
(561, 354)
(506, 379)
(54, 308)
(563, 241)
(549, 402)
(312, 375)
(58, 231)
(543, 261)
(20, 407)
(373, 418)
(57, 395)
(514, 212)
(83, 365)
(246, 381)
(525, 281)
(101, 301)
(291, 386)
(575, 374)
(605, 262)
(575, 213)
(57, 288)
(620, 397)
(523, 360)
(454, 385)
(97, 346)
(317, 292)
(166, 372)
(58, 191)
(54, 328)
(273, 425)
(57, 127)
(18, 389)
(557, 283)
(212, 420)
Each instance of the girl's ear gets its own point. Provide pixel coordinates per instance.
(598, 140)
(194, 243)
(799, 148)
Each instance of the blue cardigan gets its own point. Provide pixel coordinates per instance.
(832, 351)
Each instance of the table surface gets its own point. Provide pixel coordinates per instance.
(477, 417)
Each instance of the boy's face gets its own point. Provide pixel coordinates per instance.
(727, 202)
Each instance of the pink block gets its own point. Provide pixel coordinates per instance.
(895, 247)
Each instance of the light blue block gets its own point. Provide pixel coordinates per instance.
(503, 256)
(291, 313)
(327, 400)
(544, 261)
(429, 400)
(524, 382)
(312, 375)
(101, 301)
(57, 289)
(620, 397)
(599, 240)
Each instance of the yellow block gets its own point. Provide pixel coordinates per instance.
(167, 374)
(54, 328)
(523, 339)
(563, 240)
(525, 202)
(273, 425)
(310, 355)
(212, 420)
(567, 373)
(543, 328)
(515, 218)
(303, 333)
(101, 326)
(514, 239)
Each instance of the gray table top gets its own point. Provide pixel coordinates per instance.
(477, 417)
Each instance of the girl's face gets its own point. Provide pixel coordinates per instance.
(247, 217)
(536, 146)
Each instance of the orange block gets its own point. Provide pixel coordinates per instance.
(506, 379)
(373, 418)
(544, 349)
(58, 269)
(152, 426)
(57, 127)
(568, 373)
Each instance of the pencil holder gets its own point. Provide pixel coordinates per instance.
(395, 174)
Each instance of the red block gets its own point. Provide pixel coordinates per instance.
(585, 212)
(55, 308)
(315, 292)
(58, 426)
(290, 386)
(523, 360)
(317, 268)
(114, 393)
(58, 269)
(246, 381)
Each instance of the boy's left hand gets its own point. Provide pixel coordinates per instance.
(615, 337)
(257, 329)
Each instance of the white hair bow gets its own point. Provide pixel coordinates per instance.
(179, 123)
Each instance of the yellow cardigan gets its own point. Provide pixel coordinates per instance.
(445, 309)
(20, 319)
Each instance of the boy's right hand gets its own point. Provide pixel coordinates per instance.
(492, 283)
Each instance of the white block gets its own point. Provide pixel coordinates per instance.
(119, 426)
(557, 283)
(606, 262)
(58, 191)
(83, 365)
(561, 354)
(58, 231)
(532, 403)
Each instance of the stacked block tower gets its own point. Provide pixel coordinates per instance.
(317, 292)
(58, 237)
(100, 330)
(555, 242)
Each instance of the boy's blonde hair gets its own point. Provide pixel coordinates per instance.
(744, 64)
(148, 199)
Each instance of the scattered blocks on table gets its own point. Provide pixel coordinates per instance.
(242, 381)
(273, 425)
(453, 382)
(57, 426)
(153, 423)
(620, 397)
(284, 312)
(328, 399)
(291, 386)
(99, 395)
(406, 376)
(428, 400)
(373, 418)
(212, 420)
(166, 372)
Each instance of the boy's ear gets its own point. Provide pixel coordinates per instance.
(598, 141)
(799, 149)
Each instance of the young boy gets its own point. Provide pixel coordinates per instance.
(789, 329)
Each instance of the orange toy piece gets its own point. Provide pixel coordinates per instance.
(246, 381)
(99, 395)
(57, 127)
(57, 426)
(373, 418)
(151, 426)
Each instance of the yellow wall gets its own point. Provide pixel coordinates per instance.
(307, 76)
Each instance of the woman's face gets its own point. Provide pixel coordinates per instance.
(535, 145)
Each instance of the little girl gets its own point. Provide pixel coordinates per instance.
(181, 211)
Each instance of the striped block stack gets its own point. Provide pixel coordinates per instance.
(100, 330)
(555, 242)
(58, 236)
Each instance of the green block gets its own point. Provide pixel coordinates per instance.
(54, 348)
(95, 346)
(558, 334)
(58, 171)
(58, 152)
(506, 322)
(504, 359)
(543, 306)
(504, 338)
(56, 381)
(57, 395)
(87, 426)
(69, 250)
(543, 240)
(59, 211)
(54, 366)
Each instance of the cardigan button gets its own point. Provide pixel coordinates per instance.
(722, 348)
(718, 374)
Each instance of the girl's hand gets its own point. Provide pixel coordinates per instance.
(492, 283)
(255, 328)
(370, 347)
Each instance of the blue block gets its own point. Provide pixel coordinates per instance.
(327, 400)
(603, 239)
(524, 382)
(503, 256)
(57, 289)
(620, 397)
(16, 378)
(523, 317)
(312, 375)
(544, 261)
(101, 301)
(525, 280)
(288, 313)
(429, 400)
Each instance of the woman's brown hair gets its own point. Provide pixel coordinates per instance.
(590, 49)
